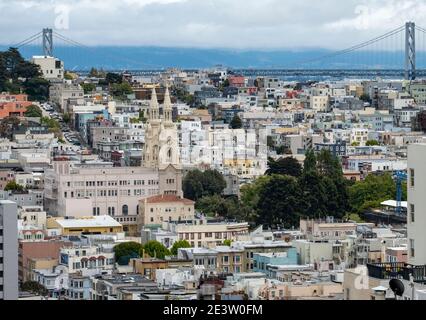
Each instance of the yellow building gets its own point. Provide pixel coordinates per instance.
(86, 225)
(158, 209)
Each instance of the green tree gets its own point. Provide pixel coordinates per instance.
(37, 89)
(142, 117)
(370, 143)
(236, 122)
(88, 87)
(310, 163)
(156, 250)
(372, 191)
(284, 166)
(127, 250)
(365, 97)
(34, 287)
(13, 186)
(280, 202)
(120, 90)
(197, 184)
(33, 112)
(227, 242)
(178, 245)
(66, 117)
(112, 78)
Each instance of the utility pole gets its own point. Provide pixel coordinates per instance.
(410, 51)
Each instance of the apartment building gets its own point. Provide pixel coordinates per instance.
(13, 105)
(30, 251)
(416, 204)
(230, 260)
(64, 93)
(51, 67)
(209, 234)
(8, 251)
(98, 189)
(157, 209)
(87, 260)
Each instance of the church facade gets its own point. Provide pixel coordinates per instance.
(161, 150)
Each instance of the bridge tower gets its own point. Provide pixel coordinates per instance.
(410, 51)
(48, 42)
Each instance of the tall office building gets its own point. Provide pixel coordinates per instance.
(8, 250)
(416, 224)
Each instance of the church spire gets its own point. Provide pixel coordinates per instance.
(154, 110)
(167, 106)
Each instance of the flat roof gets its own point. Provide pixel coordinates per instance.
(393, 203)
(91, 222)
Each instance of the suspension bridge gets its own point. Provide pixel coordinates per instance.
(399, 53)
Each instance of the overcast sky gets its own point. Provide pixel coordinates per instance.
(237, 24)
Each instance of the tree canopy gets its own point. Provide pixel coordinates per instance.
(156, 250)
(126, 251)
(236, 122)
(284, 166)
(280, 202)
(18, 75)
(178, 245)
(33, 112)
(13, 186)
(372, 191)
(198, 184)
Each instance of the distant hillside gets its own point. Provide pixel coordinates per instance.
(138, 58)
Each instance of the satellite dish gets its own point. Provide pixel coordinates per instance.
(397, 287)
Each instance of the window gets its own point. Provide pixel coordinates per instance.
(412, 252)
(125, 210)
(412, 178)
(412, 213)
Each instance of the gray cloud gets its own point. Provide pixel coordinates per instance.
(239, 24)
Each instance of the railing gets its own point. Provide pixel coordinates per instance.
(397, 270)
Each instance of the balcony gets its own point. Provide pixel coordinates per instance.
(397, 270)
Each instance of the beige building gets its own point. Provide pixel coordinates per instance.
(327, 229)
(51, 67)
(63, 93)
(32, 216)
(158, 209)
(209, 235)
(230, 260)
(93, 188)
(319, 103)
(274, 290)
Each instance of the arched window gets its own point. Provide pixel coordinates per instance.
(125, 210)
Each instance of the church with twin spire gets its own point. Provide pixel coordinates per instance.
(161, 149)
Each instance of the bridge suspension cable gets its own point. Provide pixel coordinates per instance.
(28, 40)
(356, 47)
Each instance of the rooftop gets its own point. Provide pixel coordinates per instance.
(167, 199)
(90, 222)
